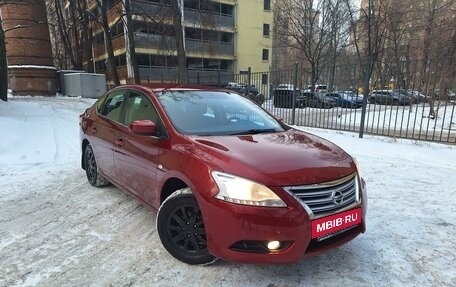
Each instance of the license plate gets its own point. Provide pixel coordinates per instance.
(333, 223)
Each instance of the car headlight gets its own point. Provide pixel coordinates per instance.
(243, 191)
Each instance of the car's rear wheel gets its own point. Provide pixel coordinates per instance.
(181, 228)
(91, 168)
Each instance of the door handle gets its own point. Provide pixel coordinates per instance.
(93, 130)
(119, 142)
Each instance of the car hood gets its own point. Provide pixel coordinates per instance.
(278, 159)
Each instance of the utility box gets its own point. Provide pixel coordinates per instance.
(61, 79)
(85, 85)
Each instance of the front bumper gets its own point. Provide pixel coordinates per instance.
(229, 225)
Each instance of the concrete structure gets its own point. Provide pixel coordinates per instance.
(223, 37)
(30, 66)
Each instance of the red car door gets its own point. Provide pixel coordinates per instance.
(136, 156)
(103, 132)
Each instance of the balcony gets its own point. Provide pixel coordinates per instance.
(161, 74)
(118, 44)
(150, 9)
(191, 17)
(208, 20)
(209, 48)
(152, 41)
(197, 47)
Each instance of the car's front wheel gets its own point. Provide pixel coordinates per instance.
(91, 168)
(181, 228)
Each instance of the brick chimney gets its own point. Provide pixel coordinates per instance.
(31, 69)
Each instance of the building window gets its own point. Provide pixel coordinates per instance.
(226, 37)
(264, 79)
(266, 30)
(265, 55)
(227, 10)
(267, 5)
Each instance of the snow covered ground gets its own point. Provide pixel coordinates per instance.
(57, 230)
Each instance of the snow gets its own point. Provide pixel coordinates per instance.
(31, 67)
(57, 230)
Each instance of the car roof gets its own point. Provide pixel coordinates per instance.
(157, 87)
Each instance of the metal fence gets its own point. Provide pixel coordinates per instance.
(430, 115)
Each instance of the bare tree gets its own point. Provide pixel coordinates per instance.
(85, 28)
(338, 33)
(131, 41)
(64, 31)
(177, 8)
(110, 61)
(61, 60)
(125, 13)
(305, 25)
(368, 28)
(438, 16)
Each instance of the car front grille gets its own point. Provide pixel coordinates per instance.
(327, 198)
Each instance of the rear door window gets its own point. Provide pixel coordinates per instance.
(112, 107)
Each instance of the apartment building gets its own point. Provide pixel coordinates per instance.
(222, 37)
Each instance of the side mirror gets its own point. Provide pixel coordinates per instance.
(143, 127)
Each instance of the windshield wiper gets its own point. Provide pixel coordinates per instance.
(254, 131)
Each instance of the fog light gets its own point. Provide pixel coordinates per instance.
(273, 245)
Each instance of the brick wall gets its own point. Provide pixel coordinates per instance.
(28, 44)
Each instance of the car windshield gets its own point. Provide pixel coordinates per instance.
(215, 113)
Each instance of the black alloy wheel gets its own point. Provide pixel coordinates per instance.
(91, 168)
(181, 228)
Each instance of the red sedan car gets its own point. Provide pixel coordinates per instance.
(228, 180)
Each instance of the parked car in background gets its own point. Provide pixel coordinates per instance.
(248, 91)
(318, 88)
(418, 96)
(283, 96)
(406, 93)
(346, 99)
(317, 100)
(390, 97)
(227, 179)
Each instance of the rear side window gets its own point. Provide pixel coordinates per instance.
(113, 106)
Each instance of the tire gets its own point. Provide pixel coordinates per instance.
(181, 228)
(91, 168)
